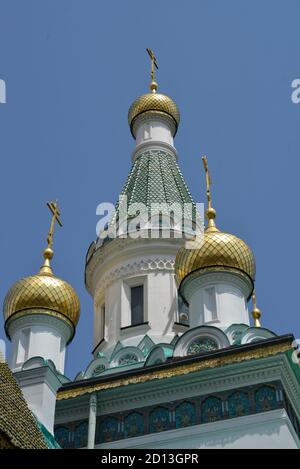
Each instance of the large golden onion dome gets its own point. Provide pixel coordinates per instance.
(217, 251)
(43, 293)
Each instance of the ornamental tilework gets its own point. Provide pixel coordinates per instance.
(80, 435)
(179, 414)
(159, 420)
(202, 344)
(211, 410)
(62, 437)
(109, 430)
(128, 359)
(265, 399)
(185, 414)
(238, 404)
(155, 178)
(133, 425)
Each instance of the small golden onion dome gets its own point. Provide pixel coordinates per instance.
(154, 103)
(43, 293)
(217, 251)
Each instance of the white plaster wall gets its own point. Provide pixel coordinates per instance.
(48, 344)
(270, 430)
(230, 299)
(147, 262)
(38, 335)
(41, 400)
(153, 130)
(160, 310)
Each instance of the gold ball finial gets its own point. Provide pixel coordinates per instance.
(211, 213)
(153, 86)
(48, 253)
(256, 312)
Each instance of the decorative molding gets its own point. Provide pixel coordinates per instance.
(180, 369)
(147, 265)
(218, 433)
(253, 334)
(153, 145)
(189, 336)
(202, 279)
(133, 248)
(41, 318)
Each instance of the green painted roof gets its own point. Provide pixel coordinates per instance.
(155, 178)
(48, 437)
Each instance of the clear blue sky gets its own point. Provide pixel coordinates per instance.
(73, 68)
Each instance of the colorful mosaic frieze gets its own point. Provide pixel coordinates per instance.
(179, 414)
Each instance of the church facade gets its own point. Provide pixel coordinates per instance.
(179, 361)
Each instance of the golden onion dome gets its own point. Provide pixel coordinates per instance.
(154, 103)
(217, 251)
(43, 293)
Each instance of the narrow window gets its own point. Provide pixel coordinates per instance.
(210, 304)
(137, 305)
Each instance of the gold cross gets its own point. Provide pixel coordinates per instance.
(208, 181)
(55, 217)
(153, 62)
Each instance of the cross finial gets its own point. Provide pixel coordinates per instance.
(210, 212)
(48, 252)
(207, 180)
(153, 84)
(53, 207)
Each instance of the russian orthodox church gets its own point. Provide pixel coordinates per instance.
(177, 361)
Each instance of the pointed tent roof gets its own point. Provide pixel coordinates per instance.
(155, 178)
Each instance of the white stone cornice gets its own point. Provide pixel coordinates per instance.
(212, 278)
(132, 269)
(153, 145)
(42, 319)
(122, 250)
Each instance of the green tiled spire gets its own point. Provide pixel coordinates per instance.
(155, 178)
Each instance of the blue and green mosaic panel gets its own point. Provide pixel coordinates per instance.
(159, 420)
(211, 410)
(61, 435)
(81, 435)
(238, 404)
(179, 414)
(133, 425)
(265, 399)
(109, 430)
(185, 415)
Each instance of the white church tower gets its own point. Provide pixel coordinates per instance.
(132, 280)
